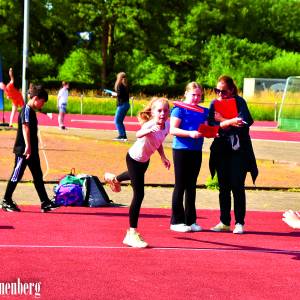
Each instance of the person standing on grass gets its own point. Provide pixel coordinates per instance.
(27, 152)
(187, 157)
(121, 88)
(14, 95)
(231, 153)
(62, 101)
(150, 137)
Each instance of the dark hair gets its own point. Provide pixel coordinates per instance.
(230, 84)
(39, 91)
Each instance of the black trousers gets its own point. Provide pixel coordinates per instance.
(231, 176)
(187, 166)
(34, 164)
(136, 173)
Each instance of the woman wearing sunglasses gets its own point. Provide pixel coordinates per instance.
(231, 155)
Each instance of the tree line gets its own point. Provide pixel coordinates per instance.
(160, 44)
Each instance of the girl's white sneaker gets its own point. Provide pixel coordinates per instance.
(180, 227)
(239, 228)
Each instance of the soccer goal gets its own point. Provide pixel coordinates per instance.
(289, 112)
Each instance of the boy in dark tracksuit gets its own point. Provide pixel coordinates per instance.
(27, 152)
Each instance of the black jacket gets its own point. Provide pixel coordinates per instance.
(221, 145)
(122, 94)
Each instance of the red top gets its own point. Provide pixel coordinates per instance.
(14, 94)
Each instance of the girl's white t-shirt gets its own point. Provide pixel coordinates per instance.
(145, 146)
(63, 96)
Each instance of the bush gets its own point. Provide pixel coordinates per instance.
(285, 64)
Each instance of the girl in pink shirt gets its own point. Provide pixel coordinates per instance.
(150, 137)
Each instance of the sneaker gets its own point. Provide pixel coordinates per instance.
(63, 127)
(180, 227)
(10, 205)
(114, 184)
(120, 139)
(239, 228)
(221, 227)
(195, 227)
(134, 239)
(48, 206)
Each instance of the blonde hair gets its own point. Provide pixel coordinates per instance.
(145, 115)
(192, 86)
(120, 76)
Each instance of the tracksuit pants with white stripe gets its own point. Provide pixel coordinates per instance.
(34, 164)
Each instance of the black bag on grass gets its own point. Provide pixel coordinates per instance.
(95, 194)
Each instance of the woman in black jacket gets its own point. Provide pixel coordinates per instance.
(231, 155)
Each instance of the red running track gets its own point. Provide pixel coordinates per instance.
(77, 253)
(263, 130)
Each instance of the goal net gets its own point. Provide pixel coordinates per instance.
(289, 112)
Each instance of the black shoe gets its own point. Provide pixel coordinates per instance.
(48, 206)
(10, 205)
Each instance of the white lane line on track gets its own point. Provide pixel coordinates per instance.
(102, 122)
(277, 141)
(153, 248)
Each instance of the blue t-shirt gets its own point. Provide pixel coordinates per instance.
(190, 120)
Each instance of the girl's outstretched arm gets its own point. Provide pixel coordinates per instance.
(144, 131)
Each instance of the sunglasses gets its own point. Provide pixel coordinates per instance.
(222, 92)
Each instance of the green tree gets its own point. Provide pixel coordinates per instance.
(79, 67)
(11, 35)
(41, 66)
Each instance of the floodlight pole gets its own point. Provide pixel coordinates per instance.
(25, 48)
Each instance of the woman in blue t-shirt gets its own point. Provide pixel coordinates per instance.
(187, 156)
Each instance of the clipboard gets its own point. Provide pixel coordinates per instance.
(189, 106)
(226, 107)
(208, 131)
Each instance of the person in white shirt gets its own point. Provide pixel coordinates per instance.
(150, 138)
(62, 101)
